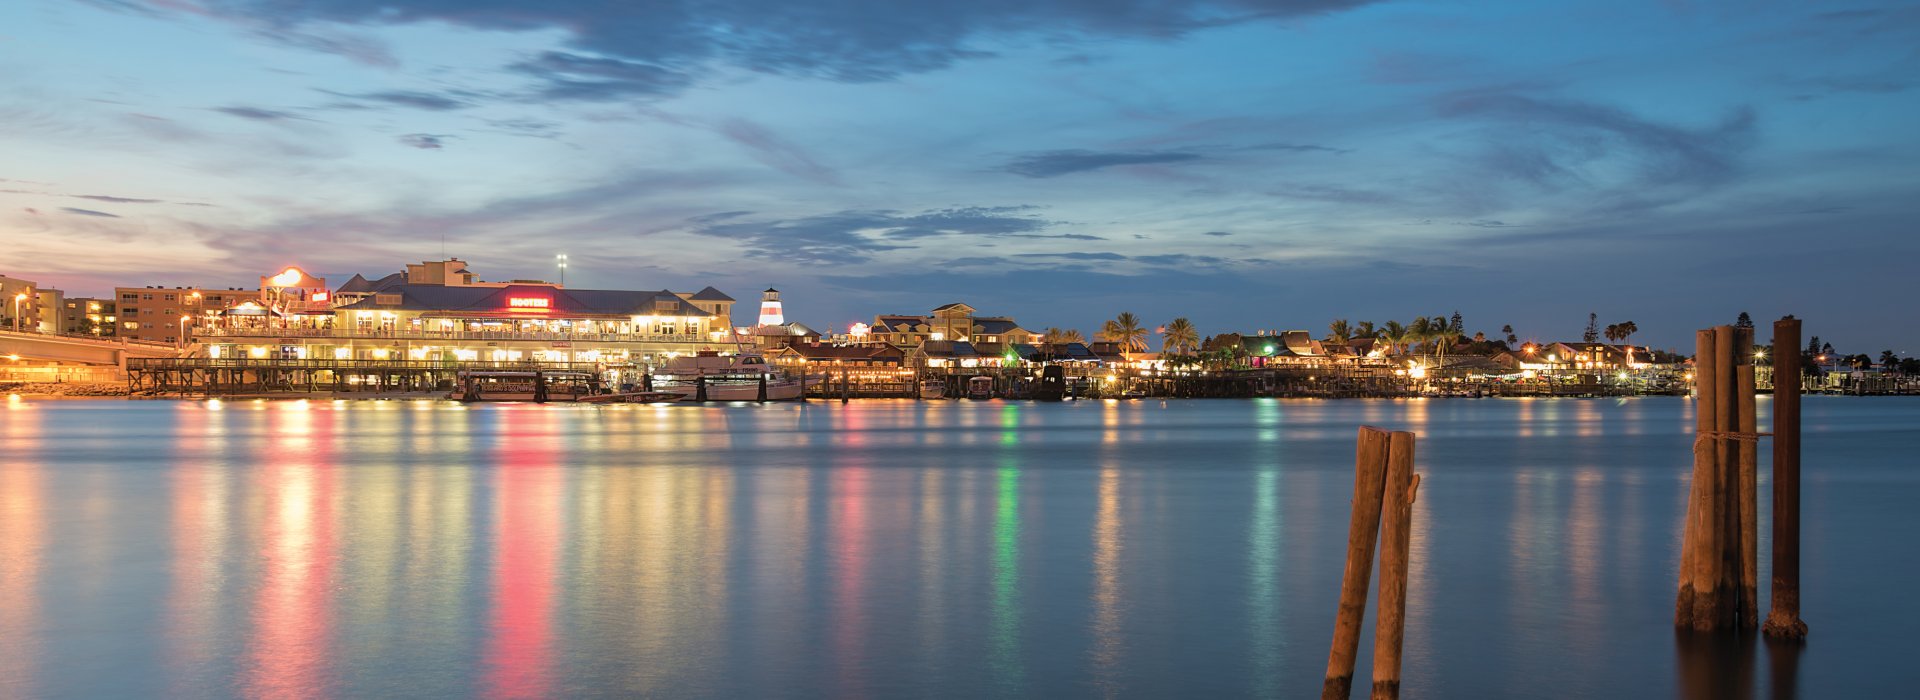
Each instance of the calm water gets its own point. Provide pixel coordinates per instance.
(897, 549)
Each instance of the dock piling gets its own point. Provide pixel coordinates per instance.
(1783, 620)
(1369, 482)
(1396, 532)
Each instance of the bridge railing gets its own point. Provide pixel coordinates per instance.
(140, 364)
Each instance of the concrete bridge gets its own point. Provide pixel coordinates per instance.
(79, 350)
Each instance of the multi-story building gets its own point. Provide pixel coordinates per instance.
(438, 311)
(951, 322)
(51, 302)
(19, 304)
(88, 316)
(170, 314)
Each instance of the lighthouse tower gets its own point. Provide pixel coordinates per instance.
(770, 308)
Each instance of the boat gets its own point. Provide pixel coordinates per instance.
(980, 388)
(526, 385)
(933, 389)
(736, 377)
(1053, 384)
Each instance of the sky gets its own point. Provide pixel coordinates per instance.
(1248, 164)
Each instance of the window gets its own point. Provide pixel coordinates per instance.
(166, 297)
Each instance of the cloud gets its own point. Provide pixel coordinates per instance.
(571, 76)
(255, 113)
(1298, 148)
(116, 200)
(409, 98)
(855, 236)
(1217, 234)
(1075, 256)
(641, 49)
(1056, 163)
(775, 152)
(1557, 142)
(425, 141)
(88, 212)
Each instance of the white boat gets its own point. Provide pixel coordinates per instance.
(734, 377)
(933, 389)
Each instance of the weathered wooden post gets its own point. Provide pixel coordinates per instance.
(700, 389)
(1396, 533)
(1369, 480)
(1783, 620)
(1698, 554)
(1749, 481)
(1727, 486)
(762, 395)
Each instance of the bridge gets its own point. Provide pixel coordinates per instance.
(36, 348)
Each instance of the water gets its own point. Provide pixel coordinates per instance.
(897, 549)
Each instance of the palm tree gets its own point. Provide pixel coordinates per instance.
(1511, 338)
(1394, 334)
(1364, 329)
(1179, 336)
(1420, 331)
(1125, 329)
(1888, 360)
(1339, 331)
(1062, 336)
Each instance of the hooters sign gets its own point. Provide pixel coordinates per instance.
(528, 303)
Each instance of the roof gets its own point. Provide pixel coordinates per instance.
(995, 326)
(490, 301)
(1299, 343)
(954, 305)
(362, 285)
(792, 328)
(845, 352)
(1075, 352)
(711, 294)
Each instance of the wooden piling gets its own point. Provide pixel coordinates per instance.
(1369, 480)
(1396, 532)
(1694, 604)
(1749, 481)
(1727, 488)
(1783, 620)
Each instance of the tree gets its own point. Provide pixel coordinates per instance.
(1179, 336)
(1393, 335)
(1062, 336)
(1338, 331)
(1744, 322)
(1419, 331)
(1364, 329)
(1888, 360)
(1511, 338)
(1593, 329)
(1125, 329)
(1813, 346)
(1457, 326)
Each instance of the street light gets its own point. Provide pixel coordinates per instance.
(18, 299)
(562, 260)
(183, 329)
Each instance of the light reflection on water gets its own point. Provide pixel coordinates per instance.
(887, 549)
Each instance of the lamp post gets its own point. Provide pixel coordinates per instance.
(561, 259)
(18, 299)
(183, 329)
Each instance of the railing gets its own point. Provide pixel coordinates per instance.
(376, 333)
(89, 336)
(206, 363)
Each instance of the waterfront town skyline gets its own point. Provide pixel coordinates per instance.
(292, 286)
(1673, 164)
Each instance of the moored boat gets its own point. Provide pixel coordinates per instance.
(980, 388)
(716, 377)
(933, 389)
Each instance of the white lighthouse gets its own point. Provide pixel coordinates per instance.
(770, 314)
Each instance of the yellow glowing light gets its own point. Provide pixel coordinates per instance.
(1553, 358)
(1623, 376)
(380, 353)
(287, 278)
(1417, 371)
(342, 353)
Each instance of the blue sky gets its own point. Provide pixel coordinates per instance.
(1249, 164)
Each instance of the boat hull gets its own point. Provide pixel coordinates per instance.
(776, 391)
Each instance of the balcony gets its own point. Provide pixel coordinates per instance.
(207, 334)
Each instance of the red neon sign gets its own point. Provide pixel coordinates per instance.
(528, 303)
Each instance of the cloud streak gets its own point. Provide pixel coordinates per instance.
(1047, 164)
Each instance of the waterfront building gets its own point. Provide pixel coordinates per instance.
(19, 304)
(155, 314)
(51, 302)
(770, 312)
(439, 311)
(817, 356)
(88, 316)
(949, 322)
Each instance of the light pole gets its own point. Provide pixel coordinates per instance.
(562, 260)
(18, 299)
(183, 329)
